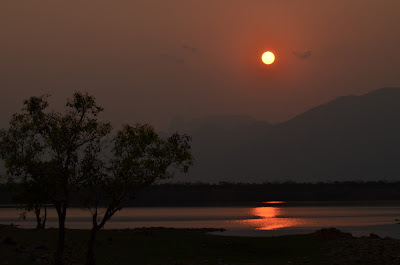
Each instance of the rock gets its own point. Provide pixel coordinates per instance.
(332, 234)
(372, 235)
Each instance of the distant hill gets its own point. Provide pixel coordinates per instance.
(225, 122)
(349, 138)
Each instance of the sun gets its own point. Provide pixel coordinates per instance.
(268, 57)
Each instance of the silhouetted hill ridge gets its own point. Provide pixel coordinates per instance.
(351, 137)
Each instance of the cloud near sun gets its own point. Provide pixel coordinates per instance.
(302, 55)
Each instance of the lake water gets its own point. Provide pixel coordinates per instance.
(271, 219)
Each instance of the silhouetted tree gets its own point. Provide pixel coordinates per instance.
(21, 151)
(31, 196)
(55, 142)
(139, 158)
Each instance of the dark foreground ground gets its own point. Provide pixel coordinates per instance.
(195, 246)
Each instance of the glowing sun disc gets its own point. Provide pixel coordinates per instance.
(268, 57)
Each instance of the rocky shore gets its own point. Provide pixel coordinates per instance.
(342, 248)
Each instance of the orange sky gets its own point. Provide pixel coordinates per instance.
(149, 61)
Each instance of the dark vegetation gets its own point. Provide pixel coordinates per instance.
(234, 193)
(198, 194)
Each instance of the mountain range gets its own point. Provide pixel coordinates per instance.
(349, 138)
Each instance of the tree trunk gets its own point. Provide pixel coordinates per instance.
(90, 259)
(59, 256)
(44, 217)
(38, 219)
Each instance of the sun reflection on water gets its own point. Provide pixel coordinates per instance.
(274, 202)
(267, 218)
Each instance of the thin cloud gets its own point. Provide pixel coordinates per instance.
(302, 55)
(189, 48)
(173, 58)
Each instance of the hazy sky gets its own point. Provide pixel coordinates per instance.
(149, 61)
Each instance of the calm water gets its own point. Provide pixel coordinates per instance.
(275, 218)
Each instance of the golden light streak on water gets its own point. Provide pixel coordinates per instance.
(267, 218)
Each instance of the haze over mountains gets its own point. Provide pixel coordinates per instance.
(349, 138)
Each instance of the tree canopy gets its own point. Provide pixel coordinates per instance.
(73, 151)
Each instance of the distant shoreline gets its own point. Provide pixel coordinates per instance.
(242, 194)
(370, 203)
